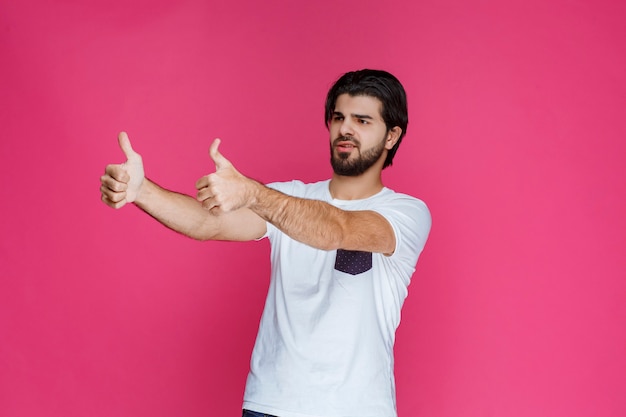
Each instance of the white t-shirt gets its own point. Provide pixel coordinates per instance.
(325, 341)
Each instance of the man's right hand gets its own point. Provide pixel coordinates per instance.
(121, 183)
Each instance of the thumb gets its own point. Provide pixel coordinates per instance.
(126, 147)
(217, 157)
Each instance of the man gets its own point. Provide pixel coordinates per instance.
(343, 253)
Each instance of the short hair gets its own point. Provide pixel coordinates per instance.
(381, 85)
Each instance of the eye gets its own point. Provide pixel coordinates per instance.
(337, 118)
(364, 121)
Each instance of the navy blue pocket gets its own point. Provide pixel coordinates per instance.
(353, 262)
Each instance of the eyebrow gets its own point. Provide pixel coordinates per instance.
(356, 116)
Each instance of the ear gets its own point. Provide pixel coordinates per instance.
(392, 137)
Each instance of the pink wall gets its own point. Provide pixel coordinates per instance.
(517, 142)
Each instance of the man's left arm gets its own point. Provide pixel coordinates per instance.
(315, 223)
(323, 226)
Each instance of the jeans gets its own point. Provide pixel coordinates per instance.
(248, 413)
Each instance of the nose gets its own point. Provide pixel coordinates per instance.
(346, 128)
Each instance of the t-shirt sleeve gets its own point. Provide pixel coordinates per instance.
(411, 222)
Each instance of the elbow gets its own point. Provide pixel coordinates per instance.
(200, 238)
(203, 236)
(203, 233)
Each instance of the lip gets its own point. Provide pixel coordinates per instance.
(345, 146)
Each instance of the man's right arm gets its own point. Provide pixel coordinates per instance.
(184, 214)
(126, 183)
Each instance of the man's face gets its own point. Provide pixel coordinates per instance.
(358, 134)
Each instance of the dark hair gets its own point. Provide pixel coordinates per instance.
(381, 85)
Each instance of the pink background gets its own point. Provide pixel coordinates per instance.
(517, 141)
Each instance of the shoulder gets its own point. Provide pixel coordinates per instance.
(389, 200)
(409, 217)
(297, 188)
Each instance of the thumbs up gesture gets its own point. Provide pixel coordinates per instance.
(226, 189)
(121, 183)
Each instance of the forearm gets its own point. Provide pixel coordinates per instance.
(322, 225)
(176, 211)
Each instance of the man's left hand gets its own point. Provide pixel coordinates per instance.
(226, 189)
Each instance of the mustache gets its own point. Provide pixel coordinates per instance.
(346, 139)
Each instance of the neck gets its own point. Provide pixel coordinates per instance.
(356, 188)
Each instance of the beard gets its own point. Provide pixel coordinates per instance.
(343, 165)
